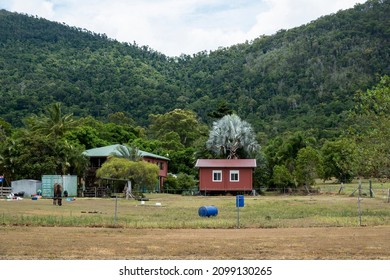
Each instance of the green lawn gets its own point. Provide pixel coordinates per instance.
(176, 211)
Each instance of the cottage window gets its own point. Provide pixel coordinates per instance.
(234, 175)
(217, 176)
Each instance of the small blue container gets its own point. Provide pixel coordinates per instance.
(208, 211)
(240, 201)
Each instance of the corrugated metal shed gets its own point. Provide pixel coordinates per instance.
(29, 187)
(48, 182)
(68, 182)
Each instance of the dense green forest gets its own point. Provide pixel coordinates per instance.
(299, 89)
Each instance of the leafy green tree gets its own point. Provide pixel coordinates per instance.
(171, 142)
(93, 133)
(149, 145)
(375, 102)
(183, 123)
(291, 146)
(143, 175)
(230, 136)
(370, 128)
(121, 118)
(282, 178)
(5, 129)
(70, 158)
(115, 133)
(284, 149)
(87, 136)
(8, 158)
(171, 184)
(339, 160)
(31, 155)
(307, 167)
(222, 110)
(185, 182)
(261, 174)
(182, 161)
(41, 147)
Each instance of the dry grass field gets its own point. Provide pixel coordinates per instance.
(37, 243)
(271, 227)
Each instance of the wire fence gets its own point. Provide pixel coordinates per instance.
(372, 189)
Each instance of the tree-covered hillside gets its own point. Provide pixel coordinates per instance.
(299, 79)
(43, 62)
(302, 78)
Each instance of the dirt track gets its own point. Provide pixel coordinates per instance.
(26, 243)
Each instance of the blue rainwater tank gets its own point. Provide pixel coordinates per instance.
(207, 211)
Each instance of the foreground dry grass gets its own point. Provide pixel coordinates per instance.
(365, 243)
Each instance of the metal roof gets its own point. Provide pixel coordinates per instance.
(112, 149)
(226, 163)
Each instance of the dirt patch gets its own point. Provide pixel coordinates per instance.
(215, 244)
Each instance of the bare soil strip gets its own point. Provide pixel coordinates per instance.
(80, 243)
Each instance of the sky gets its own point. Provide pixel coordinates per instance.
(176, 27)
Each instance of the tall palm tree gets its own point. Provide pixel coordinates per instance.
(54, 123)
(230, 134)
(128, 152)
(8, 157)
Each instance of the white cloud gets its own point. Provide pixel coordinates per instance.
(43, 8)
(285, 14)
(174, 27)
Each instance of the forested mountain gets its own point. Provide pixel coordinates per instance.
(299, 79)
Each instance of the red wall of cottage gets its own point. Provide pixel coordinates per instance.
(164, 170)
(97, 162)
(206, 180)
(163, 173)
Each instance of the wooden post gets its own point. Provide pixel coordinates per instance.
(2, 185)
(388, 196)
(371, 192)
(238, 217)
(116, 208)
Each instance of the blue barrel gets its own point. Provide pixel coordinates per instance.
(207, 211)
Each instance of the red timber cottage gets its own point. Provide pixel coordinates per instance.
(98, 156)
(225, 175)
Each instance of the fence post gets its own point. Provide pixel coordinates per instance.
(388, 196)
(371, 192)
(116, 209)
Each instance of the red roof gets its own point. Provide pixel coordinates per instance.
(225, 163)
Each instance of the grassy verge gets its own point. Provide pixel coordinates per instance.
(175, 211)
